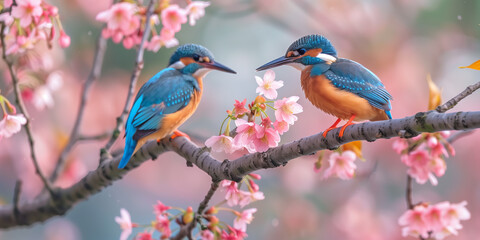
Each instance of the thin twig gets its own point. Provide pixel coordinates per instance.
(102, 136)
(454, 101)
(186, 231)
(74, 135)
(16, 198)
(408, 194)
(23, 110)
(454, 137)
(133, 80)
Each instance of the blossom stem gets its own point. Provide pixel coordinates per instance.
(21, 105)
(270, 107)
(221, 126)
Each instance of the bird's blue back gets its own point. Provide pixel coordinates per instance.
(351, 76)
(167, 92)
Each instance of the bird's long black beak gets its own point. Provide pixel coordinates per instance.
(275, 63)
(218, 66)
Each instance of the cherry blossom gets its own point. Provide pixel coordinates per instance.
(286, 108)
(221, 143)
(206, 235)
(268, 86)
(281, 126)
(162, 224)
(11, 124)
(244, 218)
(413, 222)
(266, 138)
(341, 165)
(125, 224)
(233, 195)
(160, 208)
(173, 17)
(196, 10)
(246, 133)
(26, 11)
(239, 108)
(144, 236)
(248, 197)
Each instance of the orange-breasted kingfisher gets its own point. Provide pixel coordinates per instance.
(338, 86)
(169, 98)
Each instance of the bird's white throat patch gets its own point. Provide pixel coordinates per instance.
(202, 72)
(296, 65)
(327, 58)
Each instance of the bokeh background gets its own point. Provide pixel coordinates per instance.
(400, 40)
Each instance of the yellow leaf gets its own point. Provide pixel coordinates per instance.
(435, 97)
(475, 65)
(355, 147)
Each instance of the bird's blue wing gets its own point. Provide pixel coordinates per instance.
(166, 92)
(351, 76)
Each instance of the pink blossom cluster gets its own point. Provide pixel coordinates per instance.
(124, 22)
(434, 221)
(427, 160)
(341, 162)
(215, 229)
(10, 123)
(253, 136)
(30, 22)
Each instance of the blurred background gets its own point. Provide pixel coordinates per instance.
(400, 40)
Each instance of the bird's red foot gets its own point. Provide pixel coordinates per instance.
(350, 122)
(334, 125)
(177, 133)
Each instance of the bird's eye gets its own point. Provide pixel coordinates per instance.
(196, 57)
(301, 51)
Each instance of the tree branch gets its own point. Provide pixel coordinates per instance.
(23, 110)
(45, 206)
(452, 102)
(74, 135)
(133, 80)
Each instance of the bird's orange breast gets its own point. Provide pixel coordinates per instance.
(342, 104)
(172, 121)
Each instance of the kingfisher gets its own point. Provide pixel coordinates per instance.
(338, 86)
(169, 98)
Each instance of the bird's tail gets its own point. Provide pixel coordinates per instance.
(389, 115)
(130, 145)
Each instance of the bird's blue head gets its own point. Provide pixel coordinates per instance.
(195, 60)
(308, 50)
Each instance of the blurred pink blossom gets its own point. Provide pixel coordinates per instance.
(234, 234)
(162, 224)
(26, 11)
(243, 218)
(233, 195)
(239, 107)
(221, 143)
(11, 124)
(118, 16)
(160, 208)
(421, 165)
(286, 108)
(125, 224)
(173, 17)
(166, 38)
(196, 10)
(341, 165)
(399, 145)
(441, 220)
(248, 197)
(144, 236)
(206, 235)
(281, 126)
(64, 40)
(268, 86)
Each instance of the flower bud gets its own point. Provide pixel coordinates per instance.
(255, 176)
(260, 99)
(188, 216)
(64, 40)
(211, 211)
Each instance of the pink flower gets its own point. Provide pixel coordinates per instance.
(239, 107)
(144, 236)
(160, 208)
(233, 195)
(64, 40)
(221, 143)
(166, 38)
(235, 234)
(196, 10)
(162, 224)
(453, 213)
(432, 216)
(11, 124)
(173, 17)
(128, 42)
(246, 132)
(422, 165)
(342, 166)
(413, 222)
(437, 148)
(119, 16)
(244, 218)
(266, 138)
(399, 145)
(268, 86)
(248, 197)
(207, 235)
(281, 126)
(125, 224)
(26, 10)
(286, 108)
